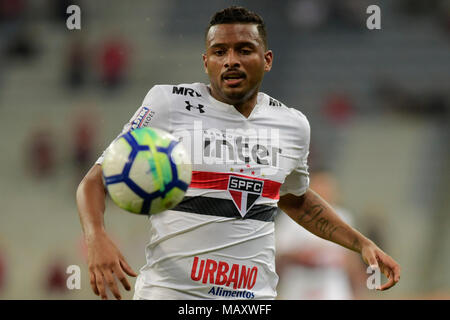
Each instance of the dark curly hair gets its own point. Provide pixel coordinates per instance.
(237, 14)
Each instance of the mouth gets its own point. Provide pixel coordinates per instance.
(234, 78)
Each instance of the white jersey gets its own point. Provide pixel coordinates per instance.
(219, 241)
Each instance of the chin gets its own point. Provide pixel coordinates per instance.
(236, 94)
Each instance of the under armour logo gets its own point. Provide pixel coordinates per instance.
(200, 107)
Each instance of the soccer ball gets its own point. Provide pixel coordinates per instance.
(146, 171)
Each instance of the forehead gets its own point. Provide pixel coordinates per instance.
(233, 33)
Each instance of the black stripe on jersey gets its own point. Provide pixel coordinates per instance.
(224, 208)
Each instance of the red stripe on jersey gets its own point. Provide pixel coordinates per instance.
(237, 196)
(219, 181)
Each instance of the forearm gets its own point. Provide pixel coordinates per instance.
(91, 203)
(318, 217)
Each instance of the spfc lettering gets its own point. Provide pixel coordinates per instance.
(244, 192)
(241, 184)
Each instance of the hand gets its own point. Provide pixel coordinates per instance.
(105, 261)
(376, 258)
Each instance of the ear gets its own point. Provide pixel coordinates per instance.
(205, 62)
(268, 57)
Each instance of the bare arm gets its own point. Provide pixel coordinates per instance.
(104, 258)
(318, 217)
(91, 202)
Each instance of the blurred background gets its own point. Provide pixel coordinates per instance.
(377, 101)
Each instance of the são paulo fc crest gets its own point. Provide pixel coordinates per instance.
(244, 192)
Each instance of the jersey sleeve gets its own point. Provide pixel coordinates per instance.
(153, 112)
(297, 182)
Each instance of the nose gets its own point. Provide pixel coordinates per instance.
(231, 60)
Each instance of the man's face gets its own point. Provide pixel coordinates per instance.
(235, 61)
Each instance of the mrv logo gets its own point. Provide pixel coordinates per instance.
(244, 192)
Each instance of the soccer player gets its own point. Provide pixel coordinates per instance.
(219, 241)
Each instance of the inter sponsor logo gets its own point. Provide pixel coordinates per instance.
(231, 146)
(235, 148)
(224, 274)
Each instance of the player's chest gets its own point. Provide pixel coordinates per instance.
(230, 142)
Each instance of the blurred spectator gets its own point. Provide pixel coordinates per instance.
(40, 153)
(311, 267)
(113, 63)
(56, 277)
(76, 64)
(338, 108)
(21, 45)
(12, 10)
(84, 134)
(15, 37)
(394, 98)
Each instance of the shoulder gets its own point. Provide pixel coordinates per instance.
(288, 116)
(301, 120)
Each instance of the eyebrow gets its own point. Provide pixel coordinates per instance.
(238, 44)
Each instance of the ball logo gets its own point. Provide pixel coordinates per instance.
(244, 192)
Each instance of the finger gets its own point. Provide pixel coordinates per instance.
(121, 276)
(386, 270)
(125, 266)
(93, 283)
(393, 267)
(374, 266)
(100, 285)
(397, 273)
(388, 284)
(111, 282)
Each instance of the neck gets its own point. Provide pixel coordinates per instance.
(244, 107)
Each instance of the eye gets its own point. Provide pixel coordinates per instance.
(219, 52)
(246, 51)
